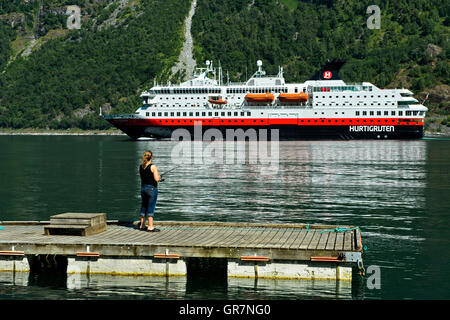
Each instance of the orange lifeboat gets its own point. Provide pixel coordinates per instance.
(217, 101)
(293, 97)
(259, 97)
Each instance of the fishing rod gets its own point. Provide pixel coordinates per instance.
(163, 174)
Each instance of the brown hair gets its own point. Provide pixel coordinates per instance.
(146, 157)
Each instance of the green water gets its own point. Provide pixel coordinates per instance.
(396, 192)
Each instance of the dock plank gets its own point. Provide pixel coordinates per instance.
(221, 237)
(307, 240)
(201, 235)
(176, 237)
(268, 238)
(255, 237)
(285, 237)
(213, 237)
(294, 242)
(239, 238)
(339, 245)
(323, 240)
(315, 240)
(331, 241)
(278, 238)
(348, 241)
(189, 236)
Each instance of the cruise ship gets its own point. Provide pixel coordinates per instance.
(324, 107)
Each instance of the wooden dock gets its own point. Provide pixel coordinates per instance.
(291, 251)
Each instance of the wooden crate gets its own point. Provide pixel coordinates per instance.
(81, 224)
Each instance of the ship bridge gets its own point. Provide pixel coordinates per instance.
(259, 78)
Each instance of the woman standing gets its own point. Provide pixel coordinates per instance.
(149, 190)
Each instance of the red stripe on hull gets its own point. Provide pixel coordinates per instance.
(266, 121)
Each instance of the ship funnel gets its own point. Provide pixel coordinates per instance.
(329, 71)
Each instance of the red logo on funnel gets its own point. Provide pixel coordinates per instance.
(327, 75)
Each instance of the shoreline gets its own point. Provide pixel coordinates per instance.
(68, 132)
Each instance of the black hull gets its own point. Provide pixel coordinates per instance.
(275, 132)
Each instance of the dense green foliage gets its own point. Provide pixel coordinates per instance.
(92, 68)
(65, 82)
(303, 35)
(6, 36)
(8, 6)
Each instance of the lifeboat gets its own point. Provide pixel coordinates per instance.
(259, 97)
(217, 101)
(293, 97)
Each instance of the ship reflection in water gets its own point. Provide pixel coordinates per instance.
(307, 181)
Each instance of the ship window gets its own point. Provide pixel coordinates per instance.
(357, 113)
(191, 114)
(249, 114)
(242, 113)
(364, 113)
(371, 113)
(236, 114)
(378, 113)
(184, 114)
(197, 114)
(229, 113)
(222, 113)
(386, 113)
(178, 114)
(203, 114)
(392, 113)
(153, 114)
(400, 113)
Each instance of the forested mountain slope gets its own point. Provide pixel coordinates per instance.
(66, 80)
(52, 77)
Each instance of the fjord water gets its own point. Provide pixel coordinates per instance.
(396, 192)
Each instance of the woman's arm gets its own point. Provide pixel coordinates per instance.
(156, 175)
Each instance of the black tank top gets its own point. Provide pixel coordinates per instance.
(147, 175)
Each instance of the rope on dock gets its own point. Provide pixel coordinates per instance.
(340, 229)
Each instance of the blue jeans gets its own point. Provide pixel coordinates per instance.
(149, 194)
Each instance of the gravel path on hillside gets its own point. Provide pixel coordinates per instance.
(186, 59)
